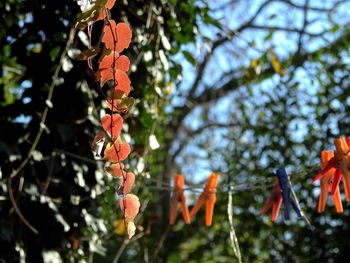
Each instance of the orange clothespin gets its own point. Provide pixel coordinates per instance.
(339, 162)
(274, 201)
(179, 197)
(326, 185)
(343, 149)
(208, 197)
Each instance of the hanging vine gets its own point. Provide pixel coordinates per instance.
(112, 73)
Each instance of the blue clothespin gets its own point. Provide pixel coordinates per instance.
(288, 195)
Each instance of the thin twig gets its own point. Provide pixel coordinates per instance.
(160, 243)
(46, 109)
(17, 210)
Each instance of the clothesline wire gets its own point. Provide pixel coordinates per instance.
(260, 182)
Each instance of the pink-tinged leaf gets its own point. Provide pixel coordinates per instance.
(107, 60)
(116, 37)
(103, 13)
(118, 153)
(121, 78)
(110, 35)
(112, 125)
(121, 62)
(128, 182)
(103, 75)
(116, 169)
(132, 206)
(124, 35)
(123, 82)
(115, 105)
(110, 4)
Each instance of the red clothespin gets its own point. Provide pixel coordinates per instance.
(208, 196)
(179, 197)
(325, 186)
(274, 201)
(344, 167)
(339, 162)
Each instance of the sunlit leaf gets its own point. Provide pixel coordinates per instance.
(127, 183)
(117, 152)
(121, 62)
(116, 169)
(116, 37)
(122, 81)
(132, 205)
(276, 64)
(113, 125)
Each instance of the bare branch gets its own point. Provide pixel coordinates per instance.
(213, 93)
(193, 133)
(46, 109)
(218, 43)
(286, 29)
(17, 210)
(318, 9)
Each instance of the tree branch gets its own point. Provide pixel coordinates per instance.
(46, 109)
(201, 67)
(213, 93)
(286, 29)
(193, 133)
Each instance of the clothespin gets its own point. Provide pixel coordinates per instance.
(288, 195)
(343, 148)
(274, 201)
(179, 197)
(339, 162)
(208, 196)
(325, 186)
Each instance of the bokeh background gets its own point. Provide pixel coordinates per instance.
(239, 87)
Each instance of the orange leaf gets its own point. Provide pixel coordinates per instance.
(118, 153)
(122, 79)
(102, 15)
(121, 62)
(132, 205)
(124, 35)
(128, 183)
(116, 37)
(110, 4)
(116, 103)
(112, 125)
(123, 82)
(104, 75)
(110, 34)
(116, 169)
(107, 60)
